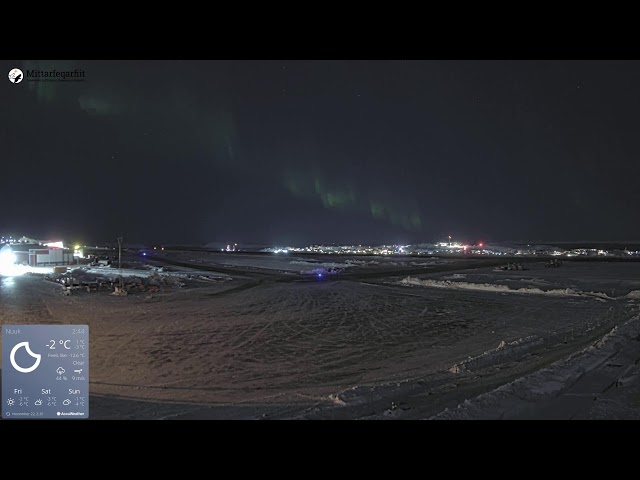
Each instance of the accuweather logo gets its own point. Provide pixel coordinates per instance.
(16, 76)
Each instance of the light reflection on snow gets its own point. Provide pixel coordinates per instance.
(18, 270)
(7, 283)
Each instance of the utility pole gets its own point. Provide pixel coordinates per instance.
(120, 258)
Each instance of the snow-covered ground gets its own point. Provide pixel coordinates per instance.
(333, 348)
(109, 272)
(295, 263)
(144, 271)
(599, 381)
(17, 270)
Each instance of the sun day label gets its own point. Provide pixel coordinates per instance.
(45, 372)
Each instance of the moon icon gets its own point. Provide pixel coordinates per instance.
(12, 357)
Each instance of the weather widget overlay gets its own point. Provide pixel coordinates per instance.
(45, 371)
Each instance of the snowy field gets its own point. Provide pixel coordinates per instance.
(290, 262)
(285, 346)
(601, 381)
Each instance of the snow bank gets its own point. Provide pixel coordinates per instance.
(323, 265)
(539, 281)
(148, 273)
(635, 295)
(115, 272)
(487, 287)
(490, 287)
(545, 383)
(319, 271)
(455, 276)
(516, 348)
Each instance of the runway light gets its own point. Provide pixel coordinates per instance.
(480, 245)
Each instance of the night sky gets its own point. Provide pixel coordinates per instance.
(300, 152)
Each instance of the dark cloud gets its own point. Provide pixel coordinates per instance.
(310, 151)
